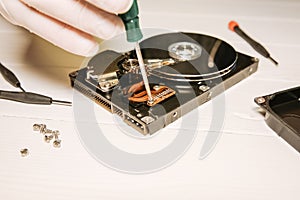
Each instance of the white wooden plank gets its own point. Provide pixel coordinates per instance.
(249, 162)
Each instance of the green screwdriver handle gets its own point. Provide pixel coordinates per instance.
(131, 22)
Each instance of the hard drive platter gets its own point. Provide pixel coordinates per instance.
(182, 68)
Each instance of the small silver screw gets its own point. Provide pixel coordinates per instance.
(55, 133)
(48, 138)
(204, 88)
(250, 70)
(148, 119)
(43, 128)
(260, 100)
(107, 85)
(255, 59)
(24, 152)
(36, 127)
(150, 102)
(139, 115)
(46, 131)
(156, 87)
(175, 114)
(57, 143)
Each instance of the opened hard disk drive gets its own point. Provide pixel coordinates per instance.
(182, 68)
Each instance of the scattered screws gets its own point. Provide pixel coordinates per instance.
(48, 134)
(24, 152)
(39, 127)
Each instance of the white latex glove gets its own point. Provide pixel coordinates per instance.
(69, 24)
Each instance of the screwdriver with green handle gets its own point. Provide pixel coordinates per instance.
(134, 34)
(132, 24)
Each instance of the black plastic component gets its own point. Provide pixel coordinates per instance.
(9, 76)
(283, 114)
(255, 45)
(26, 97)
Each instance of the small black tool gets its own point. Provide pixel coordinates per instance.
(258, 47)
(10, 77)
(24, 97)
(30, 98)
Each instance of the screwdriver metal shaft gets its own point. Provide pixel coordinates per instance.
(134, 34)
(143, 71)
(63, 103)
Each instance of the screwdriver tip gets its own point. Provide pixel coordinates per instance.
(274, 61)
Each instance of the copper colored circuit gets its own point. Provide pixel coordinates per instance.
(136, 87)
(159, 93)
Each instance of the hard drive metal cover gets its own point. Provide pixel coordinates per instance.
(283, 114)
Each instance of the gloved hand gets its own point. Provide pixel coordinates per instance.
(69, 24)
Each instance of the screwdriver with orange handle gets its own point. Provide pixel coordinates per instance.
(256, 46)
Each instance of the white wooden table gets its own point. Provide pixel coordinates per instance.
(249, 162)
